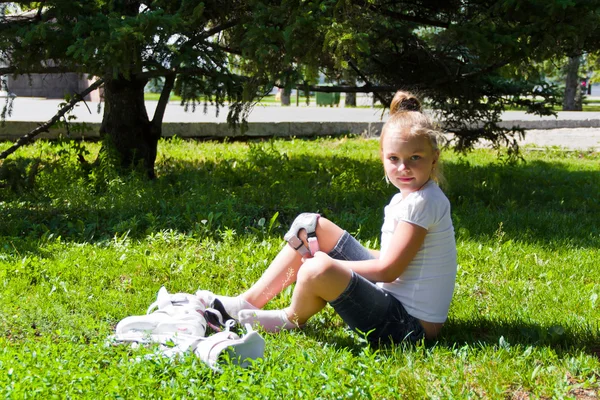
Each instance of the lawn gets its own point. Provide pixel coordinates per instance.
(82, 249)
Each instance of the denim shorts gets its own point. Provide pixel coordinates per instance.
(369, 309)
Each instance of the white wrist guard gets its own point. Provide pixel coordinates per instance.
(308, 222)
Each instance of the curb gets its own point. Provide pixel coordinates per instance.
(12, 130)
(552, 124)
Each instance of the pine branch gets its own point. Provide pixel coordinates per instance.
(346, 89)
(408, 18)
(365, 79)
(45, 127)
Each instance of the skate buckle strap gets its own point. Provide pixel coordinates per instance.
(313, 245)
(308, 222)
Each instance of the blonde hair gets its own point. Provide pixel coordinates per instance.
(406, 117)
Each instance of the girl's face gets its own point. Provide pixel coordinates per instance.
(408, 160)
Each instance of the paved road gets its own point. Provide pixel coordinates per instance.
(33, 109)
(574, 137)
(569, 138)
(584, 139)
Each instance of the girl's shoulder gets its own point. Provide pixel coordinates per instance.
(397, 199)
(427, 207)
(432, 191)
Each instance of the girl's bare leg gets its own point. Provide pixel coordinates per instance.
(283, 270)
(280, 274)
(321, 279)
(318, 280)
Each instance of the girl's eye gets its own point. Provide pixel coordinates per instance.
(415, 158)
(393, 158)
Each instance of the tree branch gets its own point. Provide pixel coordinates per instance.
(219, 28)
(485, 70)
(162, 103)
(23, 140)
(366, 80)
(38, 69)
(207, 34)
(176, 71)
(346, 89)
(409, 18)
(39, 12)
(226, 49)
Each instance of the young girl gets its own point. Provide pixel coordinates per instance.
(402, 291)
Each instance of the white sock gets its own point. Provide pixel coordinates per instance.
(232, 304)
(269, 320)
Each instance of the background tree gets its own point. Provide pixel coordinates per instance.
(572, 100)
(471, 58)
(211, 51)
(573, 76)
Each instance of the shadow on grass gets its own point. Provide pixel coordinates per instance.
(504, 334)
(534, 202)
(477, 333)
(200, 199)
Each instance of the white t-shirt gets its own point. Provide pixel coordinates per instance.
(425, 288)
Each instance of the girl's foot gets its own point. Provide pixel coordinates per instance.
(232, 305)
(269, 320)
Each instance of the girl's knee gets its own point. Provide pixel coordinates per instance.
(316, 268)
(328, 234)
(323, 276)
(326, 226)
(310, 225)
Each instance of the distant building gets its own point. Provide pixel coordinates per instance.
(51, 86)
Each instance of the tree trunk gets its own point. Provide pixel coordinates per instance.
(572, 89)
(126, 127)
(350, 100)
(285, 96)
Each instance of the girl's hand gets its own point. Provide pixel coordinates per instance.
(319, 257)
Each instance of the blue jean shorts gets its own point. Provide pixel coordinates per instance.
(369, 309)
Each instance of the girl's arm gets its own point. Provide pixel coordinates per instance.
(404, 245)
(374, 252)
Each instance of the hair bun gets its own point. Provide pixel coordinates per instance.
(404, 101)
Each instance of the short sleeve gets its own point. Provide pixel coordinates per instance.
(418, 210)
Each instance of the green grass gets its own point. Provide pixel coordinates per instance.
(267, 100)
(270, 100)
(81, 250)
(595, 107)
(587, 106)
(156, 96)
(592, 107)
